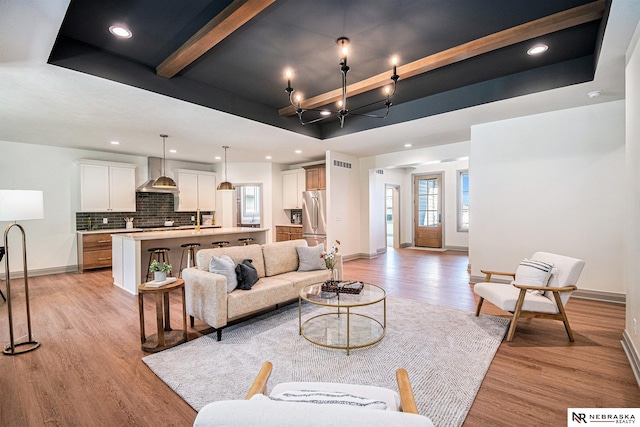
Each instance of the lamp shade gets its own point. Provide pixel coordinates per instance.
(17, 205)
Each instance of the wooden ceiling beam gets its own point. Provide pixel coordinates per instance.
(226, 22)
(549, 24)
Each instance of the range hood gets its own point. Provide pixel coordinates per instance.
(154, 166)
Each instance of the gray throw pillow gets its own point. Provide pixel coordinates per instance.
(311, 258)
(247, 275)
(226, 267)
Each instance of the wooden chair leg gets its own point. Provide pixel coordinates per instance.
(479, 306)
(563, 313)
(516, 315)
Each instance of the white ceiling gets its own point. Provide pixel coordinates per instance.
(44, 104)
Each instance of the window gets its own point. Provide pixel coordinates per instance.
(463, 200)
(249, 204)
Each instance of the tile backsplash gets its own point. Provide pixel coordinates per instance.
(152, 210)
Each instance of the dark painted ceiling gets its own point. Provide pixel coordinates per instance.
(244, 74)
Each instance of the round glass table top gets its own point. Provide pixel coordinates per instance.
(370, 294)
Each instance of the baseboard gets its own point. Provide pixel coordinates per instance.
(42, 271)
(457, 248)
(614, 297)
(632, 354)
(604, 296)
(358, 256)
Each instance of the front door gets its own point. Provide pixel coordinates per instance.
(427, 200)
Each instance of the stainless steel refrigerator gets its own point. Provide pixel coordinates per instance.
(314, 222)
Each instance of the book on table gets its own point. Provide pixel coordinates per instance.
(154, 284)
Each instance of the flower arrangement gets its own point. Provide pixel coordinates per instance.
(165, 267)
(330, 256)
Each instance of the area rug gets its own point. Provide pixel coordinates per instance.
(446, 353)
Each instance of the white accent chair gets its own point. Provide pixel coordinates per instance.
(515, 299)
(259, 410)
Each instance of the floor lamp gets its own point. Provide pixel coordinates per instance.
(19, 205)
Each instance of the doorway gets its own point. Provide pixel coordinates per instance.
(427, 201)
(249, 205)
(392, 215)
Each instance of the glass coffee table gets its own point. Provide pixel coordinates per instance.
(339, 325)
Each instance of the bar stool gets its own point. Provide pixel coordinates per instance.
(159, 254)
(245, 241)
(220, 244)
(190, 250)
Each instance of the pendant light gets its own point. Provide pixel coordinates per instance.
(225, 185)
(164, 181)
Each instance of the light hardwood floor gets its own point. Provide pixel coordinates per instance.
(88, 370)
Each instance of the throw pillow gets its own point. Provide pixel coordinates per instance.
(533, 273)
(225, 266)
(247, 275)
(329, 397)
(311, 258)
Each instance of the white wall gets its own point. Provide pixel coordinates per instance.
(51, 241)
(254, 173)
(632, 228)
(398, 169)
(449, 170)
(551, 182)
(343, 203)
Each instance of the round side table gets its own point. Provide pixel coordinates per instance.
(165, 337)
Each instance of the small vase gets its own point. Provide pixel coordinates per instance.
(334, 274)
(159, 276)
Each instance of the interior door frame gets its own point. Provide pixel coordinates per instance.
(395, 214)
(439, 174)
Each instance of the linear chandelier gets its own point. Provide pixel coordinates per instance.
(342, 111)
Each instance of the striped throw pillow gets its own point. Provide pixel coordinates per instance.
(533, 273)
(328, 398)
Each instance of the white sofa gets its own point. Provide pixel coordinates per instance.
(279, 282)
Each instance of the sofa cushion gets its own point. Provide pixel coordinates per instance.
(265, 294)
(310, 258)
(247, 275)
(300, 279)
(225, 266)
(281, 257)
(236, 253)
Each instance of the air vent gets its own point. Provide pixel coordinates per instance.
(341, 164)
(380, 171)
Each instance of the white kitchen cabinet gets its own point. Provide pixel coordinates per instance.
(293, 184)
(197, 190)
(107, 186)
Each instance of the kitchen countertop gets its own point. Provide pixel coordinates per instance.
(137, 230)
(289, 225)
(178, 233)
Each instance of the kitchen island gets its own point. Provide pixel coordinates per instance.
(130, 255)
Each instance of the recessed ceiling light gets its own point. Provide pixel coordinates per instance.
(120, 31)
(218, 158)
(325, 113)
(298, 151)
(268, 157)
(594, 94)
(173, 151)
(408, 145)
(115, 143)
(538, 49)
